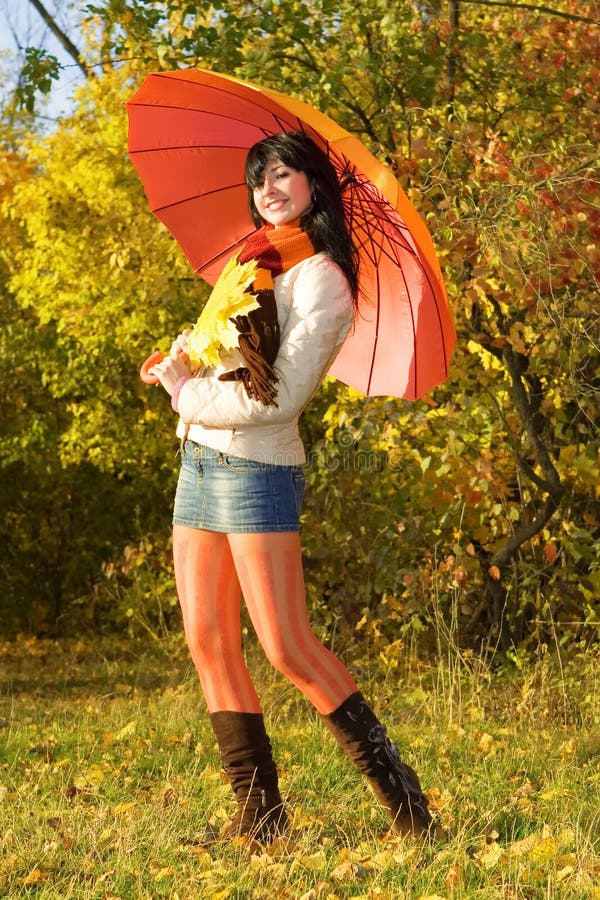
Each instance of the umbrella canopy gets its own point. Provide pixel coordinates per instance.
(189, 133)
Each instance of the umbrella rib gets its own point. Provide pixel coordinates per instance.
(360, 226)
(225, 250)
(375, 341)
(359, 222)
(186, 147)
(233, 118)
(197, 197)
(260, 129)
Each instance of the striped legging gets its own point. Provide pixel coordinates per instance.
(212, 571)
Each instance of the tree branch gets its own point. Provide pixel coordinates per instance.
(533, 7)
(62, 38)
(503, 556)
(526, 413)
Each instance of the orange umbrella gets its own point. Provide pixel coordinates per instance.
(189, 133)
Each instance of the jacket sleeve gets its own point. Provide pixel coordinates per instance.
(319, 317)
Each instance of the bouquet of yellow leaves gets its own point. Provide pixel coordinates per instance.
(214, 333)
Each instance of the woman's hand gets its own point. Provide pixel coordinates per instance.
(171, 370)
(180, 344)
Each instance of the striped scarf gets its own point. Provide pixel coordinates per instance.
(275, 250)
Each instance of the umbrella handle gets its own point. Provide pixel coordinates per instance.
(152, 360)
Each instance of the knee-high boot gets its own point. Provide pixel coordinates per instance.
(248, 762)
(362, 737)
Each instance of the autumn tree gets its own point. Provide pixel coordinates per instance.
(474, 511)
(90, 284)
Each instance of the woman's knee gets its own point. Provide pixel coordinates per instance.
(286, 658)
(204, 643)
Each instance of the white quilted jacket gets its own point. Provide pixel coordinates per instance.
(315, 312)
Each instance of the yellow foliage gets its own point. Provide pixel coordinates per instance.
(214, 332)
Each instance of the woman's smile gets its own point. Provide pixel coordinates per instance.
(284, 195)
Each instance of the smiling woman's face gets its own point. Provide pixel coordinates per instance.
(284, 195)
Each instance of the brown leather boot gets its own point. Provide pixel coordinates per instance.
(246, 756)
(364, 739)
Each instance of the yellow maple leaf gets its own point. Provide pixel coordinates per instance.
(35, 877)
(543, 851)
(214, 332)
(91, 778)
(126, 731)
(314, 862)
(489, 856)
(124, 809)
(164, 872)
(221, 895)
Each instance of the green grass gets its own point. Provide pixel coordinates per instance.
(109, 777)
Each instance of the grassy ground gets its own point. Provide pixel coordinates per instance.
(109, 776)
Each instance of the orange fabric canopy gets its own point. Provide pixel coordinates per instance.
(189, 133)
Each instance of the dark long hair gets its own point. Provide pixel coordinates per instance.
(324, 221)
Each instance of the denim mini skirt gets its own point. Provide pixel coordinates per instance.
(217, 492)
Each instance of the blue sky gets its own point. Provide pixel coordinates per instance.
(21, 26)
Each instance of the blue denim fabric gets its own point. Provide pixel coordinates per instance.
(226, 493)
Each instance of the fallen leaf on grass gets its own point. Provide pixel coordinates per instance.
(66, 840)
(124, 809)
(523, 847)
(202, 857)
(314, 894)
(175, 740)
(164, 872)
(300, 821)
(490, 856)
(394, 856)
(314, 862)
(533, 875)
(486, 744)
(434, 798)
(7, 838)
(168, 795)
(221, 895)
(276, 871)
(283, 845)
(454, 876)
(543, 851)
(377, 893)
(553, 793)
(125, 732)
(564, 873)
(91, 778)
(36, 876)
(566, 860)
(348, 869)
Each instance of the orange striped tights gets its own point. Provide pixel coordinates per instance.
(212, 571)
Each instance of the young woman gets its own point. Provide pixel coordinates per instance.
(240, 489)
